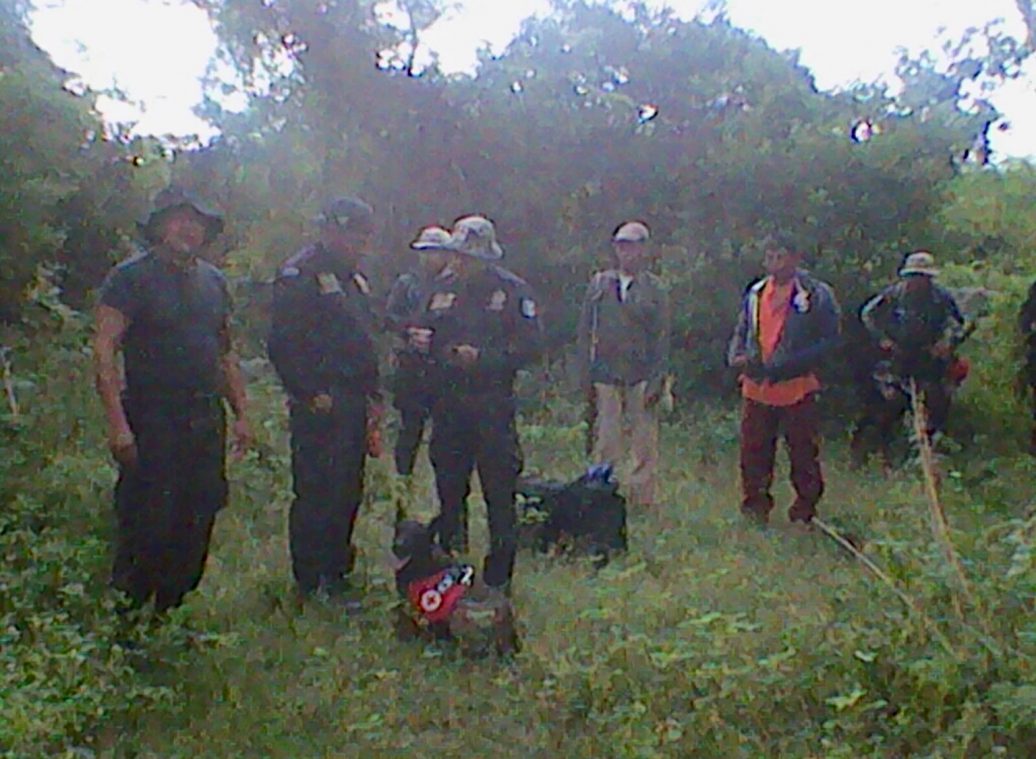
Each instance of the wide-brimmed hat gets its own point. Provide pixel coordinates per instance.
(347, 213)
(921, 263)
(173, 198)
(432, 238)
(632, 231)
(476, 236)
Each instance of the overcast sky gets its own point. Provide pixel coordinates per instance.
(159, 63)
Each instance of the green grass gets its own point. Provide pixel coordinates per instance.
(711, 638)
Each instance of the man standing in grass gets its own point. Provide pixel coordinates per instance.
(322, 346)
(480, 325)
(168, 311)
(624, 359)
(412, 391)
(788, 326)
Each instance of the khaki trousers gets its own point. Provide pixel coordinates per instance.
(626, 435)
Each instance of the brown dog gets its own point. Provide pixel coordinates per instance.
(442, 600)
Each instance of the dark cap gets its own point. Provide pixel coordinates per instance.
(348, 213)
(173, 198)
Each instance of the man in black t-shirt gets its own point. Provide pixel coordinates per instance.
(167, 310)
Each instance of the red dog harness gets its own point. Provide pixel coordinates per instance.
(435, 598)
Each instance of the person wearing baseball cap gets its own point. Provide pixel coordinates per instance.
(322, 346)
(480, 326)
(918, 325)
(623, 338)
(411, 390)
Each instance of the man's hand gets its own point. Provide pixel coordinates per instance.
(321, 403)
(941, 349)
(419, 338)
(739, 361)
(466, 354)
(123, 446)
(375, 414)
(243, 438)
(886, 345)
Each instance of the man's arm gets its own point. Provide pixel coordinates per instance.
(110, 327)
(660, 347)
(585, 336)
(235, 390)
(737, 350)
(873, 316)
(290, 344)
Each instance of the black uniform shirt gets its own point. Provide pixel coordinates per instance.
(321, 338)
(494, 311)
(177, 318)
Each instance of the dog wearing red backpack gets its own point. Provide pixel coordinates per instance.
(442, 600)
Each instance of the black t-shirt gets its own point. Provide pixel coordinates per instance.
(174, 341)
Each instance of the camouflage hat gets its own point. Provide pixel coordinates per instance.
(476, 236)
(347, 213)
(432, 238)
(632, 231)
(171, 199)
(921, 263)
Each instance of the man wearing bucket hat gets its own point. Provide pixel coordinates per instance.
(480, 326)
(322, 345)
(624, 359)
(918, 326)
(412, 392)
(168, 310)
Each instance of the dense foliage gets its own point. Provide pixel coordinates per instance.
(708, 641)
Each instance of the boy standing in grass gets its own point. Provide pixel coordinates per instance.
(788, 326)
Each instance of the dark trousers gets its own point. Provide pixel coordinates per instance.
(166, 503)
(760, 427)
(413, 398)
(470, 433)
(328, 453)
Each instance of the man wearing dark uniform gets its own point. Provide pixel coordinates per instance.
(167, 310)
(480, 326)
(412, 391)
(321, 344)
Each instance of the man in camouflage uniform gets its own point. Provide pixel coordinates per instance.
(918, 325)
(1027, 325)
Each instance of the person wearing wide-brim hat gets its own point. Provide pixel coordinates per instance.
(918, 324)
(623, 339)
(173, 200)
(480, 326)
(411, 391)
(322, 345)
(169, 311)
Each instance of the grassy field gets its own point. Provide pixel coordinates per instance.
(711, 638)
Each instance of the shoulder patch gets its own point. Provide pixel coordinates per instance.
(528, 308)
(329, 283)
(442, 301)
(361, 283)
(497, 300)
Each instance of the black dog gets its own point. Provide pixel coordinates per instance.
(442, 600)
(587, 515)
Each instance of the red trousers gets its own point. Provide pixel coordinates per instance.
(760, 427)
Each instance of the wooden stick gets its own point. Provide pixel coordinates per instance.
(911, 603)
